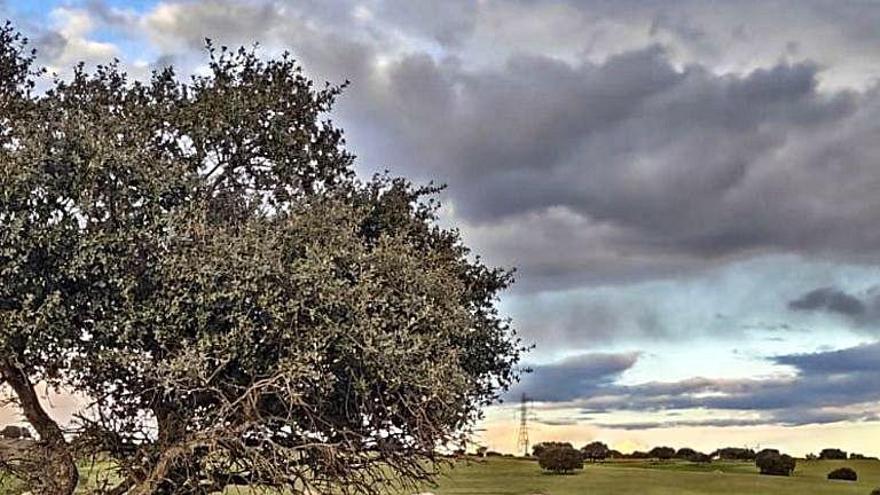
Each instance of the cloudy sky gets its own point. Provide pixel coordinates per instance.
(688, 189)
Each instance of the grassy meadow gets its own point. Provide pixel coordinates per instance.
(505, 476)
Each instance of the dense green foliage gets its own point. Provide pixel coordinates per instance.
(692, 455)
(770, 461)
(540, 447)
(662, 453)
(200, 259)
(843, 473)
(832, 454)
(595, 451)
(560, 459)
(735, 453)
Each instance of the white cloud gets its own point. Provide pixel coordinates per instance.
(75, 27)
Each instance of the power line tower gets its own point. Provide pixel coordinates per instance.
(522, 438)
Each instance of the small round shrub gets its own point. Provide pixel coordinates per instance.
(876, 491)
(771, 462)
(662, 453)
(13, 432)
(560, 459)
(844, 473)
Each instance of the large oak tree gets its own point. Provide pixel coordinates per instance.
(199, 258)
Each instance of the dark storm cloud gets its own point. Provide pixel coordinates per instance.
(573, 377)
(861, 311)
(633, 168)
(827, 387)
(831, 300)
(50, 44)
(661, 157)
(581, 323)
(862, 359)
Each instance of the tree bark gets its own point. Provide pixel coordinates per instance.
(59, 474)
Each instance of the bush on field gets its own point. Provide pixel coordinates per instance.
(13, 432)
(685, 453)
(692, 455)
(735, 453)
(662, 453)
(638, 454)
(832, 454)
(876, 491)
(771, 462)
(862, 457)
(539, 448)
(595, 451)
(844, 473)
(560, 459)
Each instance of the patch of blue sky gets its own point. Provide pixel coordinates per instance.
(43, 6)
(31, 8)
(132, 49)
(136, 5)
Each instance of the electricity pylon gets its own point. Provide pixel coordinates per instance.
(522, 438)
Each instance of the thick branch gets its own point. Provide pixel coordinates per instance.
(36, 415)
(60, 475)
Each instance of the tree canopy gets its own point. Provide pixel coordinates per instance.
(771, 462)
(595, 451)
(199, 258)
(560, 458)
(832, 454)
(662, 453)
(540, 447)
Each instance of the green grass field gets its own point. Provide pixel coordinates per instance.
(520, 477)
(505, 476)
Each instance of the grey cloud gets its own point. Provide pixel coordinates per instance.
(109, 15)
(827, 387)
(50, 44)
(659, 167)
(557, 422)
(570, 378)
(649, 425)
(831, 300)
(861, 311)
(579, 322)
(863, 359)
(448, 23)
(788, 418)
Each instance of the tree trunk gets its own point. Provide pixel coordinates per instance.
(58, 474)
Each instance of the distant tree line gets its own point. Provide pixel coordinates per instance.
(563, 457)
